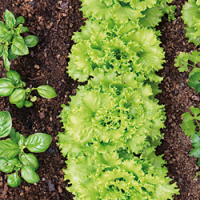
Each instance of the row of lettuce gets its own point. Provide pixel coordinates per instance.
(112, 125)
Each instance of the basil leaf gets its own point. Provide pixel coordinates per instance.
(1, 50)
(8, 166)
(11, 55)
(6, 87)
(29, 175)
(30, 160)
(6, 61)
(15, 136)
(20, 104)
(28, 104)
(18, 41)
(2, 164)
(5, 124)
(21, 141)
(46, 91)
(8, 36)
(9, 18)
(17, 96)
(38, 142)
(13, 76)
(3, 30)
(24, 29)
(31, 41)
(20, 20)
(13, 180)
(8, 149)
(17, 51)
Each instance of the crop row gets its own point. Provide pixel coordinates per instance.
(112, 125)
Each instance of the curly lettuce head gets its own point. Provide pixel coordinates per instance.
(114, 114)
(104, 47)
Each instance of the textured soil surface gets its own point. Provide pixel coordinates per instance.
(54, 22)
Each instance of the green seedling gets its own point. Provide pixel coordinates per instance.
(182, 61)
(12, 44)
(13, 87)
(190, 126)
(12, 156)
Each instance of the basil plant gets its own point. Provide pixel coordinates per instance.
(13, 87)
(12, 44)
(13, 159)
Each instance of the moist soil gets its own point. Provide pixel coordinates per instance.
(54, 22)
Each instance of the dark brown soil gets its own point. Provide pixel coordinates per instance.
(54, 22)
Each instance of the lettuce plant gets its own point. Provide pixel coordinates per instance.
(191, 17)
(12, 155)
(117, 175)
(106, 46)
(112, 125)
(116, 113)
(12, 44)
(13, 87)
(149, 12)
(104, 128)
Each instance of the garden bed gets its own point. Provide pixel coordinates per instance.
(54, 22)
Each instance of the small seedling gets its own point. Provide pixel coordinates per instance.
(12, 44)
(12, 156)
(182, 61)
(13, 86)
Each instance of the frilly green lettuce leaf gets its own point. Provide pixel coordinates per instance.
(106, 176)
(128, 10)
(115, 113)
(113, 47)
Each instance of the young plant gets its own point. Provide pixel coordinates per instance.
(12, 44)
(190, 124)
(181, 61)
(13, 86)
(191, 127)
(12, 155)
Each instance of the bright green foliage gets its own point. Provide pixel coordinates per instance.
(149, 12)
(181, 61)
(191, 127)
(5, 123)
(104, 126)
(13, 86)
(191, 17)
(12, 44)
(152, 16)
(104, 46)
(117, 175)
(13, 157)
(112, 125)
(194, 81)
(188, 125)
(122, 116)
